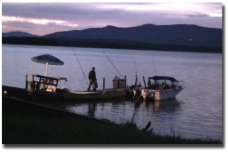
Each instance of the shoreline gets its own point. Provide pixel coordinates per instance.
(119, 45)
(29, 123)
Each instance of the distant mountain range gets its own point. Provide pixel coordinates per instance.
(17, 34)
(163, 34)
(148, 36)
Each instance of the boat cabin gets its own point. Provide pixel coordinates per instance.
(36, 83)
(161, 82)
(160, 88)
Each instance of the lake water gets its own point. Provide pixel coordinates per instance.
(197, 112)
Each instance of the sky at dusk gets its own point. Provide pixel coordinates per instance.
(45, 18)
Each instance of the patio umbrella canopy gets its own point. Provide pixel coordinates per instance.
(48, 60)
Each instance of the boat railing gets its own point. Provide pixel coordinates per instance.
(35, 83)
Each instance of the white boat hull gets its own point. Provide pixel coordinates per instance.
(166, 94)
(160, 94)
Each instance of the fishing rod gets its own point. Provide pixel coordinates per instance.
(135, 63)
(136, 71)
(154, 66)
(80, 65)
(112, 64)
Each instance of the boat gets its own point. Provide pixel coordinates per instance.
(159, 88)
(94, 95)
(48, 87)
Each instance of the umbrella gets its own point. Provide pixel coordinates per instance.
(47, 59)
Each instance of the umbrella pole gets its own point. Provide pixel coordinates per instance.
(46, 69)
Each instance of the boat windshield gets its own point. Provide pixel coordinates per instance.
(162, 78)
(161, 82)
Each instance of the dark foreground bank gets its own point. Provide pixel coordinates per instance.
(27, 123)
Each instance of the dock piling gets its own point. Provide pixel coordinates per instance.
(144, 81)
(103, 83)
(125, 78)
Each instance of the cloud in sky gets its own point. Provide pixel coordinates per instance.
(52, 17)
(6, 19)
(173, 8)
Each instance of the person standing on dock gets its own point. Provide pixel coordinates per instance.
(92, 79)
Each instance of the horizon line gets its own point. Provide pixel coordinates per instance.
(117, 27)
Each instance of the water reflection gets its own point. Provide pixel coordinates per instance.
(166, 106)
(158, 106)
(91, 109)
(121, 112)
(136, 108)
(164, 116)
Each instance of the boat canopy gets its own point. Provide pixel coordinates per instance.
(163, 78)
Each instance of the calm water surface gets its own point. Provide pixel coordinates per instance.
(195, 113)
